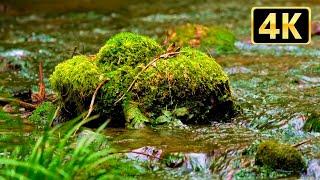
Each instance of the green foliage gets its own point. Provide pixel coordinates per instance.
(43, 115)
(127, 49)
(211, 37)
(4, 116)
(173, 160)
(54, 158)
(134, 118)
(279, 156)
(313, 123)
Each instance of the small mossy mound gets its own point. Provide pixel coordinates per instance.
(216, 40)
(74, 81)
(43, 115)
(127, 49)
(313, 123)
(279, 157)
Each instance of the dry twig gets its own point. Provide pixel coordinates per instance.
(20, 103)
(301, 143)
(94, 97)
(163, 56)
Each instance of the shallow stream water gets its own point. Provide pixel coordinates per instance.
(275, 86)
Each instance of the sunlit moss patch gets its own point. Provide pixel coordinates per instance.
(210, 39)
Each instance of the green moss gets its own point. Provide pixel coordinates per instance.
(192, 81)
(206, 38)
(74, 81)
(279, 156)
(43, 115)
(78, 75)
(313, 123)
(127, 49)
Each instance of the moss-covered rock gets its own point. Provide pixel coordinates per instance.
(207, 38)
(191, 86)
(127, 49)
(279, 156)
(313, 123)
(43, 115)
(74, 81)
(191, 81)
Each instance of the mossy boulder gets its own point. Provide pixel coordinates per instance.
(192, 81)
(212, 39)
(190, 86)
(127, 49)
(313, 123)
(74, 81)
(279, 156)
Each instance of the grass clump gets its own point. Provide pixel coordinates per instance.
(207, 38)
(313, 123)
(279, 157)
(65, 158)
(127, 49)
(43, 115)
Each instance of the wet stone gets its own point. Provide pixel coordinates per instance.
(313, 170)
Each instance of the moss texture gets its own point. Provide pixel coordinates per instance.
(127, 49)
(192, 81)
(279, 156)
(313, 123)
(43, 115)
(74, 81)
(206, 38)
(191, 86)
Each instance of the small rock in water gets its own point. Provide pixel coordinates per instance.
(310, 79)
(44, 38)
(8, 108)
(15, 53)
(237, 70)
(313, 169)
(297, 122)
(145, 153)
(197, 161)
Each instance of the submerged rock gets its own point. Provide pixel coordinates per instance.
(191, 86)
(279, 157)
